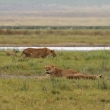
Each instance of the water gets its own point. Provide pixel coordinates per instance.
(61, 48)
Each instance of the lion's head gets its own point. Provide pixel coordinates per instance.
(49, 69)
(52, 53)
(52, 71)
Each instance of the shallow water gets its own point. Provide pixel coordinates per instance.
(60, 48)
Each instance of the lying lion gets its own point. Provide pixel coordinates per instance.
(54, 71)
(57, 72)
(82, 76)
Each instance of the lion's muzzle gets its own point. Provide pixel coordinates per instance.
(47, 72)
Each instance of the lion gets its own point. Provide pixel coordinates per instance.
(39, 52)
(57, 72)
(54, 71)
(82, 76)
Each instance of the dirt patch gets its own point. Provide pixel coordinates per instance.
(22, 77)
(56, 45)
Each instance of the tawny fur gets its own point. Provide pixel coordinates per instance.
(54, 71)
(82, 76)
(39, 52)
(57, 72)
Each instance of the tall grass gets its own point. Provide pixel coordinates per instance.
(55, 93)
(91, 62)
(45, 94)
(53, 37)
(92, 32)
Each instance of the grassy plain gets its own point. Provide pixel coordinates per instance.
(9, 19)
(54, 37)
(55, 94)
(20, 93)
(91, 62)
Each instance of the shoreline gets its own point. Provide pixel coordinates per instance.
(57, 45)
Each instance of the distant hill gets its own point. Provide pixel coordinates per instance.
(55, 12)
(10, 5)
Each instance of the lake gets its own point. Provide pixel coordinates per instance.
(60, 48)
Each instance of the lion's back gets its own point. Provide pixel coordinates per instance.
(38, 52)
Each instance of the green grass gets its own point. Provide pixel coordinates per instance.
(91, 62)
(52, 37)
(59, 93)
(55, 93)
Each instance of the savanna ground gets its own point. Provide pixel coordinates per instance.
(31, 93)
(55, 37)
(55, 18)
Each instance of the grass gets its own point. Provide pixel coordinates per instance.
(58, 93)
(58, 37)
(91, 62)
(53, 94)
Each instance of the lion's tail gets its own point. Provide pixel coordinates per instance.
(99, 76)
(21, 54)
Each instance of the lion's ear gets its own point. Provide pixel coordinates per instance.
(47, 66)
(52, 50)
(55, 69)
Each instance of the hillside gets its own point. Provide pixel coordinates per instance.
(11, 5)
(55, 12)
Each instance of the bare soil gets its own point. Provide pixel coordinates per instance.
(23, 77)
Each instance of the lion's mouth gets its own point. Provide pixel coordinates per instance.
(47, 72)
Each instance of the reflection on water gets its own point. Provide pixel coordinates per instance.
(61, 48)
